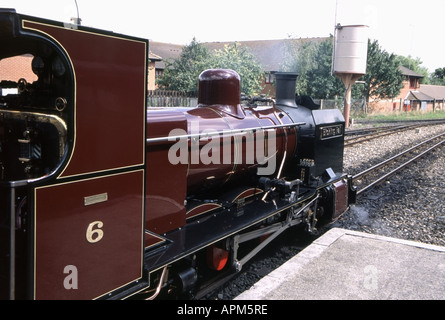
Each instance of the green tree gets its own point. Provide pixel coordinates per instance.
(313, 62)
(241, 60)
(383, 78)
(438, 77)
(182, 73)
(323, 84)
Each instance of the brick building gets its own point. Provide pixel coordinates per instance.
(427, 98)
(414, 96)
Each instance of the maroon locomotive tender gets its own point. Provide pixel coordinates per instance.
(104, 198)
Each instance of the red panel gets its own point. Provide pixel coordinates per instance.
(341, 198)
(201, 209)
(110, 98)
(166, 182)
(63, 215)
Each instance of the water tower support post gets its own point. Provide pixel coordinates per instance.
(348, 80)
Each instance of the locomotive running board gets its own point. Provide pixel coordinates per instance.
(202, 233)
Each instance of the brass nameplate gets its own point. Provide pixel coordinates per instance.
(97, 198)
(331, 131)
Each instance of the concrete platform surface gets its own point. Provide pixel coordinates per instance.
(349, 265)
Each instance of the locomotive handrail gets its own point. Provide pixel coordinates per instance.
(54, 120)
(12, 246)
(223, 132)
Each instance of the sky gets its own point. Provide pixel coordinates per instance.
(405, 27)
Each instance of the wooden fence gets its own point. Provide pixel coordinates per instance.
(169, 98)
(358, 106)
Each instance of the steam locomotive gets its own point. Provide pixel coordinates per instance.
(104, 198)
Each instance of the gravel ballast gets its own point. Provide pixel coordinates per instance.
(409, 205)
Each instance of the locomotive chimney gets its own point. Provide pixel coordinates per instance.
(285, 88)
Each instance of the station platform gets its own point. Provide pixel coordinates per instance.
(349, 265)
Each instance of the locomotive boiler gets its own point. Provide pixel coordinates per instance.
(104, 198)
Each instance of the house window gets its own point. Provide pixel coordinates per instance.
(412, 83)
(159, 73)
(269, 77)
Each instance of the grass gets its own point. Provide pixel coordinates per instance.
(401, 116)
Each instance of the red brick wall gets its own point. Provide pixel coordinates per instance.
(17, 67)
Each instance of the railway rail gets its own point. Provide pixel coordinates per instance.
(353, 137)
(398, 162)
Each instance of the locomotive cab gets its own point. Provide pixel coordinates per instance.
(35, 104)
(36, 112)
(72, 99)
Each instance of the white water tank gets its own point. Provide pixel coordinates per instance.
(351, 49)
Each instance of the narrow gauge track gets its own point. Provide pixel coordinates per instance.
(395, 163)
(361, 135)
(293, 241)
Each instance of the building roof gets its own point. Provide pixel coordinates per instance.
(417, 95)
(164, 51)
(427, 92)
(154, 57)
(407, 72)
(270, 53)
(434, 91)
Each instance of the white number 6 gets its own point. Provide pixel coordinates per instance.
(94, 232)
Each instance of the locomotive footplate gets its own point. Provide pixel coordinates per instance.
(203, 232)
(226, 223)
(311, 206)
